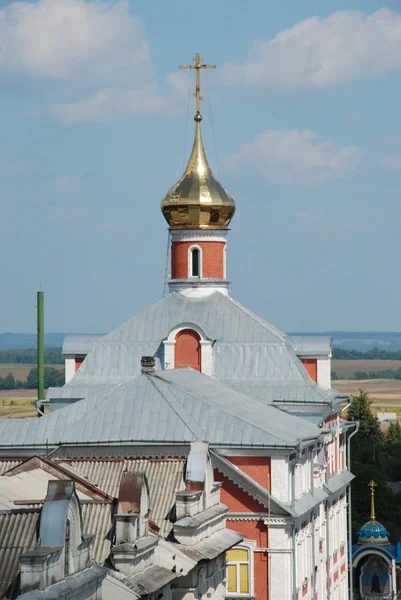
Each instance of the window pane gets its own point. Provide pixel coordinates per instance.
(195, 262)
(232, 579)
(243, 579)
(237, 554)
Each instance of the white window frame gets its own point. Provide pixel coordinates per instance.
(190, 251)
(249, 546)
(206, 348)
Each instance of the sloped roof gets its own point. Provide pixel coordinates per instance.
(18, 533)
(246, 348)
(165, 477)
(312, 345)
(176, 406)
(79, 344)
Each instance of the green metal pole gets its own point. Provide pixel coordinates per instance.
(41, 352)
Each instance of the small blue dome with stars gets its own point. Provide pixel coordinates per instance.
(373, 532)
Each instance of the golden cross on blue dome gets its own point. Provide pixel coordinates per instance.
(372, 484)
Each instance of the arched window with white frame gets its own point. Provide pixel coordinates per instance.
(195, 261)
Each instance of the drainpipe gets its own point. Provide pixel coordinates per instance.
(314, 555)
(350, 571)
(294, 563)
(328, 557)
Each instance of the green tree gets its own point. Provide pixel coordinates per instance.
(369, 425)
(7, 382)
(53, 378)
(394, 433)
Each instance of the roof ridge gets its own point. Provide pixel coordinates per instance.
(239, 418)
(260, 320)
(189, 416)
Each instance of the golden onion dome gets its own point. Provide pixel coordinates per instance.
(198, 200)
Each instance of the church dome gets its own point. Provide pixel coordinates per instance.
(373, 532)
(198, 200)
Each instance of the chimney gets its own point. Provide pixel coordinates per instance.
(148, 364)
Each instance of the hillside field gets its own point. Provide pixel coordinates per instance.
(345, 369)
(384, 393)
(21, 371)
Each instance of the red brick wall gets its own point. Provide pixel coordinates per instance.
(235, 498)
(212, 259)
(310, 365)
(257, 467)
(239, 501)
(256, 530)
(78, 362)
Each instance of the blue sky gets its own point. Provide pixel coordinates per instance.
(93, 120)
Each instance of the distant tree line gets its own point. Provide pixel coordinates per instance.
(374, 353)
(358, 375)
(53, 378)
(29, 356)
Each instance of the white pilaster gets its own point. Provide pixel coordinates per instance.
(324, 372)
(69, 368)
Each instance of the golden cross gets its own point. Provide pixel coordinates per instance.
(197, 59)
(372, 484)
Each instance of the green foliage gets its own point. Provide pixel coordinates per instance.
(29, 357)
(386, 374)
(7, 382)
(53, 378)
(369, 426)
(394, 433)
(374, 456)
(334, 376)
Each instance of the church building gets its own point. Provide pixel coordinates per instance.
(375, 560)
(198, 366)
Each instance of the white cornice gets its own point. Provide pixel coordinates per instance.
(198, 235)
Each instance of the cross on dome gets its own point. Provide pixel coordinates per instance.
(198, 200)
(372, 484)
(197, 59)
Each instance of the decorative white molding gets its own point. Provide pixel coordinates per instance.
(198, 288)
(189, 262)
(206, 348)
(198, 235)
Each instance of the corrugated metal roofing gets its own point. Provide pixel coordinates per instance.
(165, 478)
(30, 485)
(6, 465)
(18, 533)
(97, 517)
(312, 345)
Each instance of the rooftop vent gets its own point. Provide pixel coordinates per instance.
(148, 364)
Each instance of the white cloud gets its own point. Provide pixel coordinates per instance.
(392, 162)
(319, 53)
(88, 60)
(295, 157)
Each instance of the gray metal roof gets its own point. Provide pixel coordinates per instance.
(73, 586)
(338, 481)
(176, 406)
(246, 349)
(79, 344)
(312, 345)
